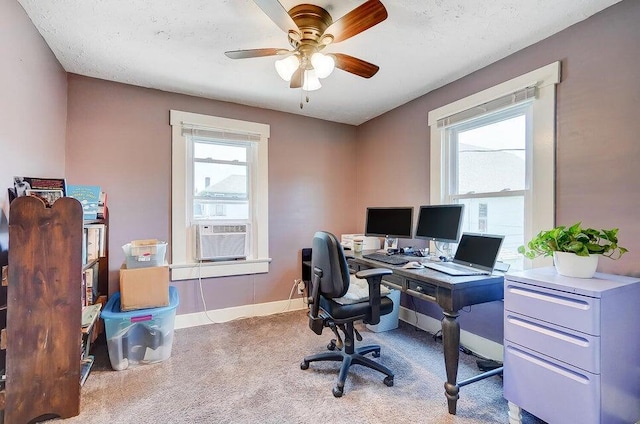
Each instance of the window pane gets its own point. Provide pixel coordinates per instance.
(498, 215)
(491, 157)
(220, 181)
(209, 150)
(213, 210)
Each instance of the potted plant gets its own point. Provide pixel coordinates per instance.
(575, 250)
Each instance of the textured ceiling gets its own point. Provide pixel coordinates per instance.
(179, 46)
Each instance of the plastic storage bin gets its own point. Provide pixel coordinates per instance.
(139, 337)
(144, 256)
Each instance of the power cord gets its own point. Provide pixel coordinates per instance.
(296, 282)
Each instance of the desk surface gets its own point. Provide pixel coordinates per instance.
(450, 292)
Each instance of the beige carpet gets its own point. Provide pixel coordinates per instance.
(248, 371)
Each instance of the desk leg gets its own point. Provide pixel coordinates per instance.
(451, 344)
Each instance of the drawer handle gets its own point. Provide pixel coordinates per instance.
(560, 300)
(580, 378)
(551, 332)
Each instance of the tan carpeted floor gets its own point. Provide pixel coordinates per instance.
(248, 371)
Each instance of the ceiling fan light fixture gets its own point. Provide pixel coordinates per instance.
(323, 64)
(311, 81)
(287, 66)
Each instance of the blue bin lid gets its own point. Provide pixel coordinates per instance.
(112, 308)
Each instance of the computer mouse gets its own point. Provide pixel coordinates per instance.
(413, 265)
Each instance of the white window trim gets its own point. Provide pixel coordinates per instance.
(183, 268)
(540, 205)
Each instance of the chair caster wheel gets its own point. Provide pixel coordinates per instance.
(388, 381)
(304, 365)
(332, 345)
(375, 353)
(337, 391)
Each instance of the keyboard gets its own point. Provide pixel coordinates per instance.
(387, 259)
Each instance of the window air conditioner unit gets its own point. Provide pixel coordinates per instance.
(216, 242)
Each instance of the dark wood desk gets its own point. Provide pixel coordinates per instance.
(451, 294)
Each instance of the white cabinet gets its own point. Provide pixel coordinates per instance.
(572, 347)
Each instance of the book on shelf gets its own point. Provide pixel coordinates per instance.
(89, 316)
(89, 285)
(22, 184)
(47, 196)
(88, 196)
(94, 242)
(85, 368)
(102, 205)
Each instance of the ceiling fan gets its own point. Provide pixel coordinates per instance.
(310, 29)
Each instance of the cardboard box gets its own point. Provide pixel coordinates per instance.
(142, 288)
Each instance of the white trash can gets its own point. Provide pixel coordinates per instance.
(389, 321)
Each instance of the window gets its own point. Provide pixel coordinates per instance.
(219, 176)
(494, 152)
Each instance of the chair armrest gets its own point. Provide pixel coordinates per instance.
(372, 272)
(373, 277)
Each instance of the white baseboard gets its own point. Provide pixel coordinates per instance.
(245, 311)
(478, 345)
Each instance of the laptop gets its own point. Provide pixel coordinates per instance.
(476, 255)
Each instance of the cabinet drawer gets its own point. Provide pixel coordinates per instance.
(571, 347)
(550, 390)
(568, 310)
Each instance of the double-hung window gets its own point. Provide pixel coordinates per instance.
(494, 153)
(219, 180)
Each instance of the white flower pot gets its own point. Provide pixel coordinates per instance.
(572, 265)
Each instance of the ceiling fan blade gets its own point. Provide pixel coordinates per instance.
(359, 19)
(278, 14)
(246, 54)
(296, 78)
(354, 65)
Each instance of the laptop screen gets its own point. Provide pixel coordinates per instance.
(478, 250)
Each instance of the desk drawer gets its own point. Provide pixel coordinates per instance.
(393, 281)
(569, 346)
(568, 310)
(422, 290)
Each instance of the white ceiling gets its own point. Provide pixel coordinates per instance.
(179, 45)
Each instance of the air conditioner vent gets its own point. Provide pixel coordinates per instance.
(221, 241)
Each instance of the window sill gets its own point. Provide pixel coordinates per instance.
(196, 271)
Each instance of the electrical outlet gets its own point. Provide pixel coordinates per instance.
(301, 287)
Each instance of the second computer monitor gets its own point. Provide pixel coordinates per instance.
(389, 222)
(440, 222)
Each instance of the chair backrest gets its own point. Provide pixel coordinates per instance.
(328, 258)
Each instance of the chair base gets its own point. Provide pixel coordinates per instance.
(348, 359)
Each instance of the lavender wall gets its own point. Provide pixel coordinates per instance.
(119, 137)
(33, 103)
(597, 138)
(322, 175)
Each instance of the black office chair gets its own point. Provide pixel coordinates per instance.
(329, 281)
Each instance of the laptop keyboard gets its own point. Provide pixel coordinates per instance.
(387, 259)
(446, 268)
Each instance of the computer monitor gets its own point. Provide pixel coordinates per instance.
(440, 222)
(389, 222)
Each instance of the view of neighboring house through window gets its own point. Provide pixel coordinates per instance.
(220, 180)
(487, 173)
